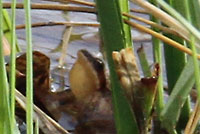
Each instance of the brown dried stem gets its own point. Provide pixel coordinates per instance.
(41, 24)
(161, 37)
(153, 24)
(66, 7)
(164, 17)
(142, 11)
(193, 121)
(53, 7)
(81, 2)
(46, 123)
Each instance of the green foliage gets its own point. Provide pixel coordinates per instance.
(113, 37)
(7, 28)
(124, 6)
(157, 52)
(180, 92)
(13, 67)
(29, 69)
(174, 68)
(144, 63)
(5, 123)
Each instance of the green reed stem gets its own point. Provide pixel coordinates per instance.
(29, 69)
(196, 66)
(181, 19)
(157, 52)
(37, 126)
(13, 66)
(4, 104)
(174, 68)
(2, 107)
(124, 6)
(144, 62)
(113, 38)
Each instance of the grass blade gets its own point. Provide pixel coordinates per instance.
(113, 37)
(5, 104)
(173, 67)
(157, 52)
(144, 63)
(7, 28)
(181, 90)
(181, 19)
(2, 106)
(124, 6)
(29, 69)
(13, 67)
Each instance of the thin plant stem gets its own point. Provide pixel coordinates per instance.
(45, 121)
(183, 21)
(37, 126)
(157, 51)
(53, 7)
(163, 16)
(193, 121)
(5, 123)
(112, 32)
(124, 7)
(82, 2)
(161, 37)
(196, 67)
(175, 68)
(29, 69)
(142, 11)
(41, 24)
(2, 107)
(13, 66)
(64, 8)
(154, 25)
(66, 37)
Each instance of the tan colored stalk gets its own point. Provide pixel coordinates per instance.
(65, 7)
(142, 11)
(164, 17)
(153, 24)
(161, 37)
(53, 7)
(193, 121)
(81, 2)
(86, 3)
(65, 43)
(46, 123)
(41, 24)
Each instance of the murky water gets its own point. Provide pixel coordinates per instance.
(47, 38)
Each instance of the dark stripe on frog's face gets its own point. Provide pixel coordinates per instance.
(97, 63)
(98, 66)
